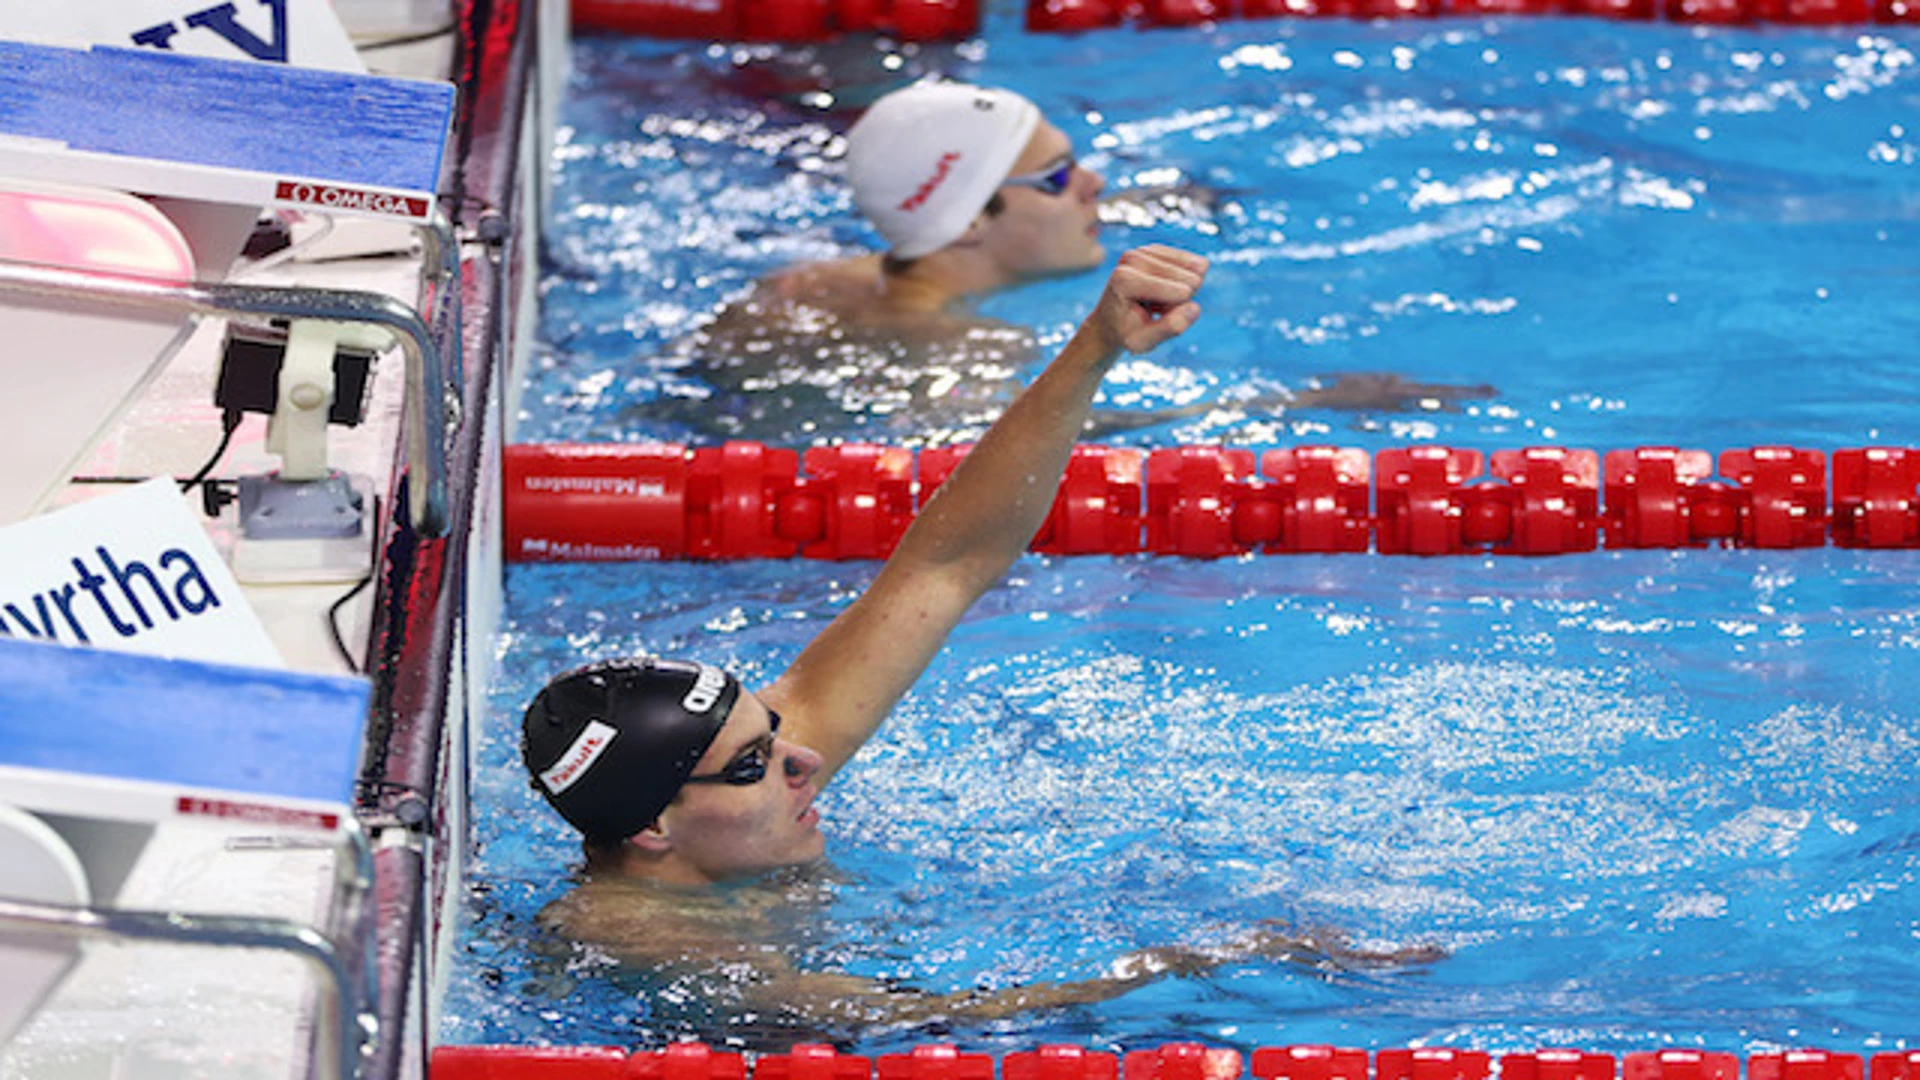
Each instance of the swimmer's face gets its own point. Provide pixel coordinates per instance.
(1040, 232)
(730, 829)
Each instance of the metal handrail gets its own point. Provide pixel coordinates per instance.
(426, 375)
(439, 277)
(353, 881)
(354, 1029)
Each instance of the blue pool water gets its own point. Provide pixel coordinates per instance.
(1643, 799)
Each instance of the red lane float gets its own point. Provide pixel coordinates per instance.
(1785, 503)
(528, 1063)
(1076, 15)
(864, 496)
(1556, 1065)
(1652, 493)
(1178, 1061)
(1804, 1065)
(1319, 496)
(1065, 1063)
(594, 502)
(1191, 494)
(1421, 505)
(812, 1061)
(1902, 1065)
(1432, 1063)
(743, 500)
(939, 1062)
(778, 20)
(1680, 1065)
(1183, 1061)
(1097, 511)
(1551, 504)
(1309, 1063)
(686, 1061)
(1061, 16)
(1873, 498)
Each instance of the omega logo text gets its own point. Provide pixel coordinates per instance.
(345, 198)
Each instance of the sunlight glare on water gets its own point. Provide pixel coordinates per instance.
(1634, 808)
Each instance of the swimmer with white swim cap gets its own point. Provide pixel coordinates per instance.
(976, 180)
(973, 191)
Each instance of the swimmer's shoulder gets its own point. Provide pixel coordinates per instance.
(803, 295)
(851, 301)
(636, 920)
(836, 283)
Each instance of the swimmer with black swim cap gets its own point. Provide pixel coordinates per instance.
(610, 744)
(676, 773)
(614, 745)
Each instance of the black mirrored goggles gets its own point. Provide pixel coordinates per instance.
(749, 766)
(1052, 180)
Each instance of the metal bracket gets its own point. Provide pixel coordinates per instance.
(427, 381)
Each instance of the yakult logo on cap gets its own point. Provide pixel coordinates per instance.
(706, 690)
(579, 757)
(941, 170)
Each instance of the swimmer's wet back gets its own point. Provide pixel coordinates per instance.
(1641, 798)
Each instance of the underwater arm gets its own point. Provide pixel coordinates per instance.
(855, 1001)
(723, 952)
(980, 521)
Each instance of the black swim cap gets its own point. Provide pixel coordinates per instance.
(610, 744)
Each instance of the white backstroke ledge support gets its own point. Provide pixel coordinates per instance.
(427, 418)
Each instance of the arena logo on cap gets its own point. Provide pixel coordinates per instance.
(941, 170)
(706, 690)
(579, 757)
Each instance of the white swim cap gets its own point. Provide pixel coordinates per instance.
(925, 160)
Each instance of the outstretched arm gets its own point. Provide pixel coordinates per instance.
(846, 682)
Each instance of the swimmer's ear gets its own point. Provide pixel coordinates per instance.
(972, 237)
(653, 839)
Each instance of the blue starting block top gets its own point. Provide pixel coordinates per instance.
(180, 722)
(153, 119)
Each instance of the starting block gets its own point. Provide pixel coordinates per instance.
(168, 804)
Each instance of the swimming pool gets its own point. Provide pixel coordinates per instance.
(1644, 798)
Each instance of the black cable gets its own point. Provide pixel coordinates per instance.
(333, 625)
(409, 39)
(229, 422)
(370, 792)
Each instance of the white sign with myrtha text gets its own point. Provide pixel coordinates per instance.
(132, 571)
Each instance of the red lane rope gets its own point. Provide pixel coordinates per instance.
(779, 20)
(928, 20)
(744, 500)
(1060, 15)
(1177, 1061)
